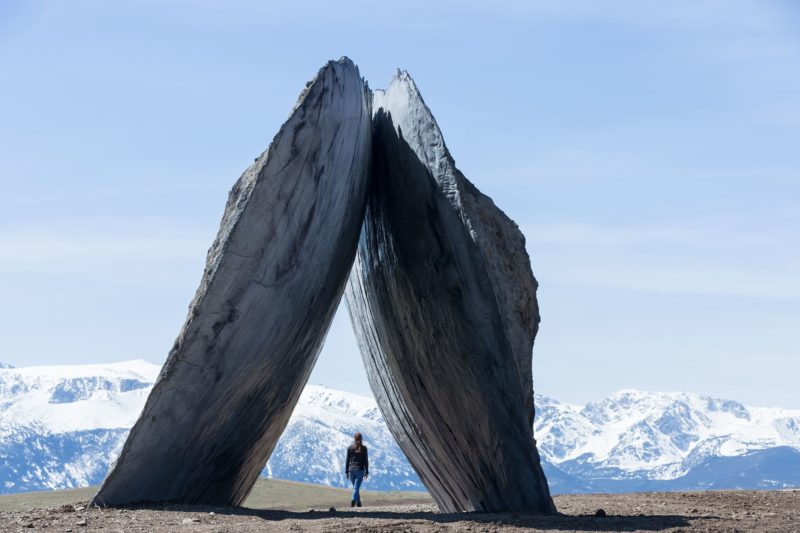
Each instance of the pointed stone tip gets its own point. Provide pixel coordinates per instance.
(403, 78)
(401, 88)
(402, 75)
(331, 65)
(343, 61)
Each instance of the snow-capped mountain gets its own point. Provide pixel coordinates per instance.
(62, 426)
(313, 446)
(636, 440)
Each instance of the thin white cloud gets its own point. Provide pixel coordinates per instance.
(33, 248)
(691, 278)
(700, 233)
(102, 248)
(683, 259)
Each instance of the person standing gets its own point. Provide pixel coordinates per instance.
(356, 467)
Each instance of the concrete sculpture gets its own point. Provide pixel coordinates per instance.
(443, 302)
(273, 279)
(441, 297)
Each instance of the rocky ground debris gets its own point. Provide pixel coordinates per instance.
(671, 512)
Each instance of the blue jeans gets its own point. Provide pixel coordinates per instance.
(356, 477)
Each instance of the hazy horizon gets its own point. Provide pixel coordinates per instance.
(646, 150)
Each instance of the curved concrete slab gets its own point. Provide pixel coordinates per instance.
(443, 302)
(274, 277)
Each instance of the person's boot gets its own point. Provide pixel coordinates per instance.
(352, 503)
(358, 503)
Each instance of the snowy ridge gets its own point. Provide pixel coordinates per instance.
(60, 399)
(322, 426)
(62, 426)
(658, 432)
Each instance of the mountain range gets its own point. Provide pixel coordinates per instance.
(62, 427)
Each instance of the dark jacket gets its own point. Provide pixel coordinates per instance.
(356, 460)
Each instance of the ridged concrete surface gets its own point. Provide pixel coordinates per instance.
(274, 277)
(443, 302)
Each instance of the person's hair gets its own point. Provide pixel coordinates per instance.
(357, 441)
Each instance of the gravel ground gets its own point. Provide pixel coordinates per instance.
(777, 511)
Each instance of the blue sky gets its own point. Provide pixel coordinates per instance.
(648, 150)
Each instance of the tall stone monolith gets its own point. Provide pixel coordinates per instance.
(273, 279)
(443, 302)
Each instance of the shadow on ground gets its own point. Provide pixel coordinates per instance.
(556, 522)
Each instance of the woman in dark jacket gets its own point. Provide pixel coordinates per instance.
(356, 467)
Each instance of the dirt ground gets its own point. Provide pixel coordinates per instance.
(777, 511)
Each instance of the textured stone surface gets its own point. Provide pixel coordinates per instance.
(273, 279)
(443, 303)
(441, 295)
